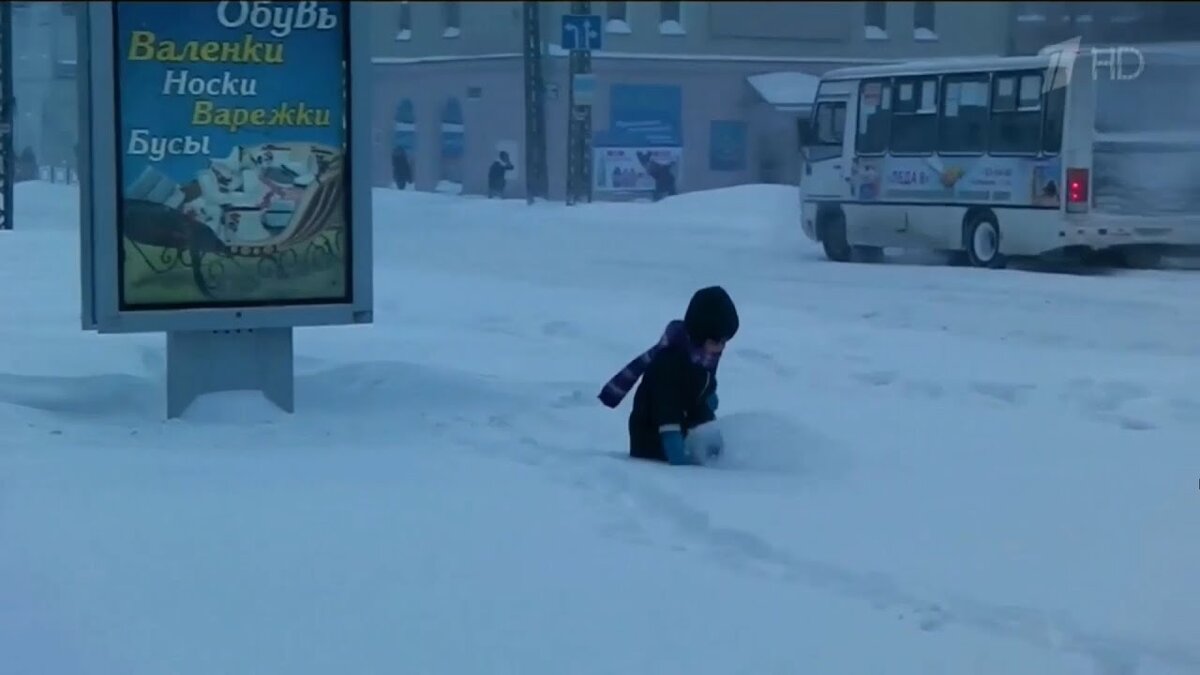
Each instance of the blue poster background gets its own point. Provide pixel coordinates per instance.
(311, 72)
(643, 116)
(727, 145)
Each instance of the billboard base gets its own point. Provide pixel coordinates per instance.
(210, 362)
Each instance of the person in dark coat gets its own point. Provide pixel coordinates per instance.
(663, 176)
(678, 389)
(401, 168)
(498, 176)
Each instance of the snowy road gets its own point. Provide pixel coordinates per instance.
(933, 470)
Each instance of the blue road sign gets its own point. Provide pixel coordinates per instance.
(582, 32)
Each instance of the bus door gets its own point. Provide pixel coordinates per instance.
(825, 176)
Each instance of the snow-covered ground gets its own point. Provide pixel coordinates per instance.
(932, 470)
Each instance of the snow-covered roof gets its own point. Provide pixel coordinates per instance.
(786, 89)
(949, 64)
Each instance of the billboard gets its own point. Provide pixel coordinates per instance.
(630, 170)
(221, 139)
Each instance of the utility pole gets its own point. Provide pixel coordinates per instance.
(7, 156)
(579, 121)
(536, 182)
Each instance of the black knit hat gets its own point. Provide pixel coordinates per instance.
(711, 315)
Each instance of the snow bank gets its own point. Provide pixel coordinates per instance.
(42, 205)
(943, 463)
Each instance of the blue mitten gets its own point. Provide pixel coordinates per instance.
(672, 442)
(713, 401)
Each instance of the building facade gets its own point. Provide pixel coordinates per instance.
(713, 88)
(46, 114)
(1037, 24)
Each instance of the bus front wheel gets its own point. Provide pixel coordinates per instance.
(981, 240)
(833, 237)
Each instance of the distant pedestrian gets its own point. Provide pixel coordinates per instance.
(401, 168)
(663, 176)
(498, 176)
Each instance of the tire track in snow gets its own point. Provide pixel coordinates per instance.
(592, 469)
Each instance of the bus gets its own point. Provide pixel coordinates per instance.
(1074, 151)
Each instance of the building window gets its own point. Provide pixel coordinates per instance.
(670, 20)
(452, 19)
(1030, 12)
(924, 28)
(1016, 114)
(618, 18)
(404, 22)
(875, 20)
(404, 143)
(1122, 12)
(450, 175)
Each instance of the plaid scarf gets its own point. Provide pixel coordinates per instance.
(675, 335)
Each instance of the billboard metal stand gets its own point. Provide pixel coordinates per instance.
(225, 225)
(7, 155)
(253, 360)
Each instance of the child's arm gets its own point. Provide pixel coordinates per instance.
(668, 403)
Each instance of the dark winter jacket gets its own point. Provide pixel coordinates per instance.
(672, 397)
(498, 173)
(677, 392)
(401, 169)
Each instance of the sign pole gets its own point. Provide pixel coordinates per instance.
(7, 154)
(585, 33)
(535, 110)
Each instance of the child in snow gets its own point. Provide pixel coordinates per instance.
(678, 390)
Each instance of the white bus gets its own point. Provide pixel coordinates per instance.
(1072, 151)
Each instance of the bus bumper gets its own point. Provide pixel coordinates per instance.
(1099, 232)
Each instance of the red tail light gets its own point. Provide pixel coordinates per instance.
(1077, 189)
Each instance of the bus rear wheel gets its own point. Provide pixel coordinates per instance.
(981, 240)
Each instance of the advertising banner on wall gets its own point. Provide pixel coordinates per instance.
(644, 140)
(233, 156)
(644, 116)
(629, 170)
(727, 145)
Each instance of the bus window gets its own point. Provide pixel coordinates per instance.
(828, 130)
(964, 121)
(914, 116)
(874, 117)
(1055, 104)
(1016, 127)
(831, 124)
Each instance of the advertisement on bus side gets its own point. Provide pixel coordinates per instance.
(1005, 181)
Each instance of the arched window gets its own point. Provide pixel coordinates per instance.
(452, 129)
(404, 133)
(404, 145)
(453, 146)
